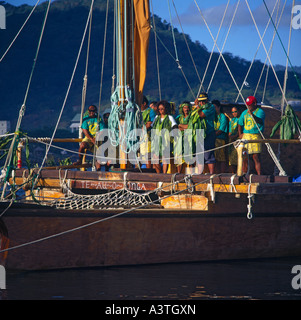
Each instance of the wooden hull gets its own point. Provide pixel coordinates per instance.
(209, 222)
(148, 236)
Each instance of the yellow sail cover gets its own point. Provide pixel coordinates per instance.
(141, 44)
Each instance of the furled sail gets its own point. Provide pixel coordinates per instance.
(141, 44)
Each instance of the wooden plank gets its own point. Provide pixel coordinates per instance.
(225, 178)
(186, 202)
(247, 178)
(129, 240)
(280, 188)
(45, 183)
(204, 187)
(113, 185)
(46, 194)
(283, 179)
(69, 174)
(140, 185)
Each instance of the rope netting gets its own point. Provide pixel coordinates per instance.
(117, 198)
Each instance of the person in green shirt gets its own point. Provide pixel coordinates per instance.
(182, 120)
(233, 136)
(90, 126)
(159, 140)
(148, 115)
(207, 112)
(250, 124)
(203, 118)
(221, 130)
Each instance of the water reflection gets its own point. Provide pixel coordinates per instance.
(236, 280)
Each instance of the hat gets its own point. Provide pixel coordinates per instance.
(203, 96)
(216, 102)
(251, 100)
(108, 110)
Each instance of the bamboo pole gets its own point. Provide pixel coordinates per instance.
(241, 148)
(57, 140)
(68, 140)
(292, 141)
(19, 154)
(71, 166)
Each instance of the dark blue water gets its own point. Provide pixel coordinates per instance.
(266, 279)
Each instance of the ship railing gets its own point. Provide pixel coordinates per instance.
(240, 146)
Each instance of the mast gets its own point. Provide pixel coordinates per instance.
(132, 41)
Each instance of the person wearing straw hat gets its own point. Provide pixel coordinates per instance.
(233, 136)
(206, 111)
(221, 130)
(105, 117)
(250, 125)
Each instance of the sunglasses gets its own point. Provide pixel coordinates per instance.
(234, 111)
(92, 110)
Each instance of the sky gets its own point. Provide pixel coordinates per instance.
(243, 39)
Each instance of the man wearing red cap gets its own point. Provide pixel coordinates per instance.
(250, 124)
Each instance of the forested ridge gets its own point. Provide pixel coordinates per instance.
(59, 49)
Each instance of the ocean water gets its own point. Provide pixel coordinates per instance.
(264, 279)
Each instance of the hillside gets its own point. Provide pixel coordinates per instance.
(58, 54)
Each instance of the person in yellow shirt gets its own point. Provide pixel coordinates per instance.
(233, 136)
(250, 124)
(90, 126)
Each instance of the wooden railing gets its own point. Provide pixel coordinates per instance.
(240, 150)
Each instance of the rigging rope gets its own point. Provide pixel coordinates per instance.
(176, 51)
(270, 150)
(287, 56)
(67, 94)
(270, 62)
(270, 51)
(44, 141)
(190, 53)
(117, 198)
(125, 120)
(287, 62)
(100, 220)
(157, 56)
(103, 56)
(177, 62)
(9, 158)
(212, 51)
(219, 57)
(17, 35)
(251, 65)
(85, 82)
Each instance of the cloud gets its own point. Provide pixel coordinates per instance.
(213, 15)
